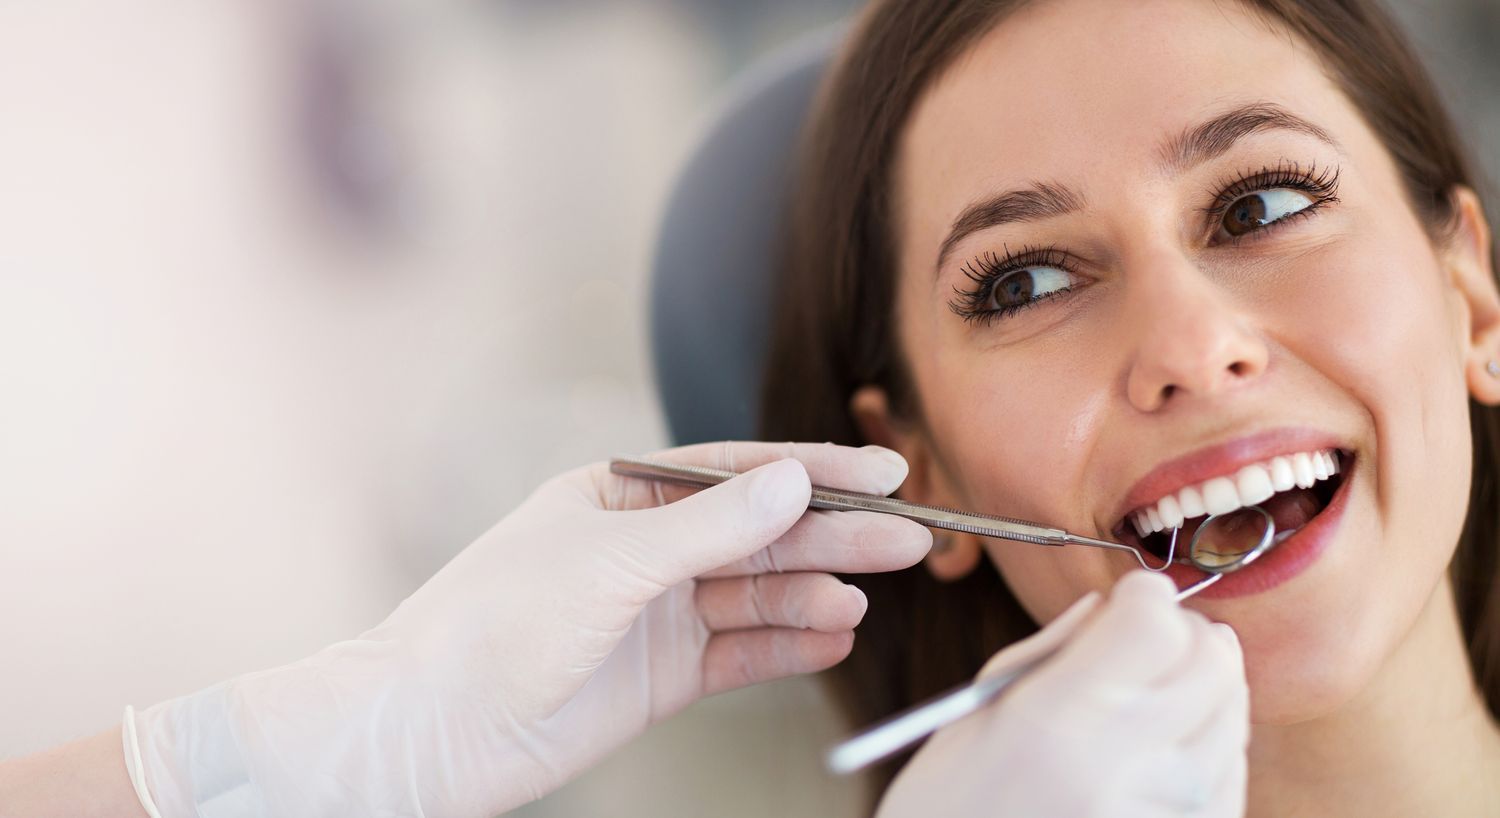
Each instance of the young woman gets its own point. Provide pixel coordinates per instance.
(1090, 263)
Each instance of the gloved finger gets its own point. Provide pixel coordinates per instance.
(1040, 645)
(1139, 634)
(716, 526)
(974, 730)
(737, 659)
(1221, 750)
(805, 600)
(1204, 683)
(1045, 641)
(1229, 795)
(1224, 740)
(870, 469)
(1174, 781)
(1231, 722)
(1206, 769)
(846, 542)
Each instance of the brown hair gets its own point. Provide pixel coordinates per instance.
(834, 330)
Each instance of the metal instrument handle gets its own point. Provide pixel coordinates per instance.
(910, 726)
(984, 525)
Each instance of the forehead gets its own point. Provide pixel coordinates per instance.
(1075, 90)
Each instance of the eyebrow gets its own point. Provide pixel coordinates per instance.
(1195, 145)
(1040, 201)
(1213, 138)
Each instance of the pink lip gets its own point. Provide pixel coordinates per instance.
(1284, 561)
(1219, 461)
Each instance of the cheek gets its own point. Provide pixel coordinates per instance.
(1374, 314)
(1374, 319)
(1013, 452)
(1047, 580)
(993, 440)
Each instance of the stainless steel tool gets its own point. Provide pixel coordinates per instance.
(908, 727)
(984, 525)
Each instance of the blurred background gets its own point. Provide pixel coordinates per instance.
(298, 298)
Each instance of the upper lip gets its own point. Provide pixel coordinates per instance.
(1219, 460)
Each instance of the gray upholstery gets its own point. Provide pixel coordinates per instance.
(713, 273)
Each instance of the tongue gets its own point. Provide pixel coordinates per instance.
(1293, 509)
(1290, 510)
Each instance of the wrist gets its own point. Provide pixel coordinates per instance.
(190, 757)
(293, 740)
(82, 779)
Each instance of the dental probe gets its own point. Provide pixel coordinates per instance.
(910, 726)
(984, 525)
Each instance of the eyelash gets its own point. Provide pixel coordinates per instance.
(1321, 186)
(988, 270)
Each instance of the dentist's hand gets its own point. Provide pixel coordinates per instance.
(1143, 712)
(601, 605)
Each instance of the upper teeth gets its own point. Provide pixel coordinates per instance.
(1249, 486)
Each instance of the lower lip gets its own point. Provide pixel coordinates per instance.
(1284, 561)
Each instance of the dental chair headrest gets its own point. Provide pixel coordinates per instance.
(713, 274)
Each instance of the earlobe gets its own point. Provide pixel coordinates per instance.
(1471, 264)
(954, 554)
(1484, 381)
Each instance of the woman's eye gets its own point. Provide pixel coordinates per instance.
(1252, 212)
(1024, 286)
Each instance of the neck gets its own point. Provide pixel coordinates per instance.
(1418, 741)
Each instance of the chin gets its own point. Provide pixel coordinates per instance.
(1317, 673)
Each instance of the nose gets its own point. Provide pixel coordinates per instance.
(1192, 340)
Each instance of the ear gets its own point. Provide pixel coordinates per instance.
(1468, 258)
(954, 554)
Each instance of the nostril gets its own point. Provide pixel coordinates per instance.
(1239, 369)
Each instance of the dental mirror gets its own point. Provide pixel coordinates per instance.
(1224, 543)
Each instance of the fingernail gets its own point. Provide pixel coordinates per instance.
(1077, 610)
(1153, 583)
(1085, 601)
(780, 485)
(899, 467)
(864, 601)
(1227, 634)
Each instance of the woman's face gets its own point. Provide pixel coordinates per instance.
(1144, 245)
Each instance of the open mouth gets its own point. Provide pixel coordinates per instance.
(1292, 488)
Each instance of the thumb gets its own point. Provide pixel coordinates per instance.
(718, 525)
(1044, 642)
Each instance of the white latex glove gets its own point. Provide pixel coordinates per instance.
(601, 605)
(1144, 712)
